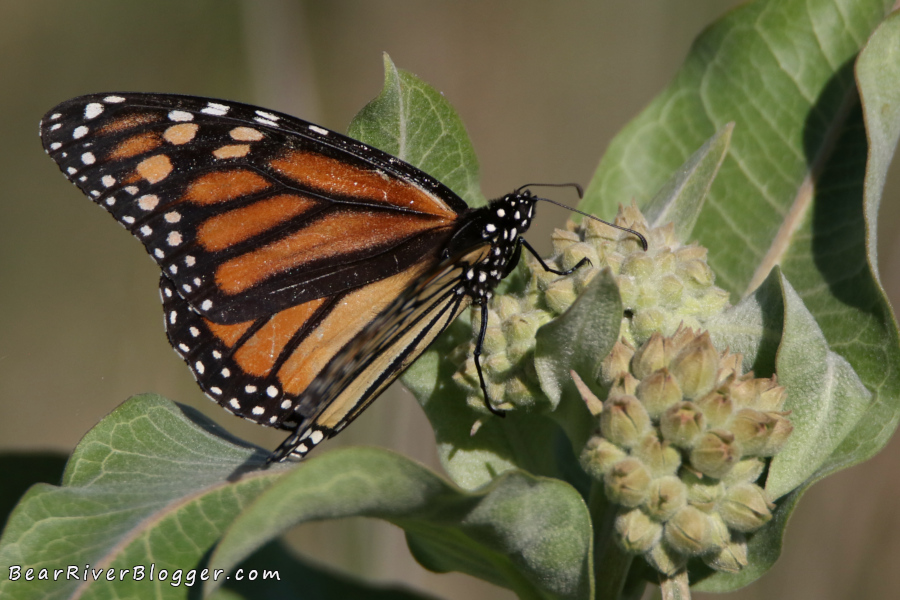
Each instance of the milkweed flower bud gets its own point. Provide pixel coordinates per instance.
(715, 453)
(682, 424)
(627, 482)
(624, 421)
(746, 507)
(636, 531)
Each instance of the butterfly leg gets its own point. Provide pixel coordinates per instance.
(479, 344)
(581, 263)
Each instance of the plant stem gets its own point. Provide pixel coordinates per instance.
(611, 563)
(676, 587)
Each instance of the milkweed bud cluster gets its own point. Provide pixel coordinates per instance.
(661, 288)
(680, 445)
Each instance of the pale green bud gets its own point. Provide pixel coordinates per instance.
(696, 367)
(627, 482)
(746, 507)
(731, 558)
(703, 492)
(650, 357)
(560, 295)
(665, 497)
(636, 532)
(746, 470)
(716, 407)
(752, 430)
(616, 362)
(690, 531)
(665, 559)
(599, 456)
(639, 266)
(562, 239)
(658, 455)
(626, 385)
(779, 436)
(771, 399)
(658, 392)
(715, 453)
(624, 421)
(671, 290)
(682, 424)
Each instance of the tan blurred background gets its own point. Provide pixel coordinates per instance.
(541, 86)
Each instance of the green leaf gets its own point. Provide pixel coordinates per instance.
(529, 534)
(753, 327)
(152, 483)
(681, 198)
(825, 398)
(578, 339)
(414, 122)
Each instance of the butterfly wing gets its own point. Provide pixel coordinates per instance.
(249, 212)
(376, 356)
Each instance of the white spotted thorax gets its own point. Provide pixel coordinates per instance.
(502, 223)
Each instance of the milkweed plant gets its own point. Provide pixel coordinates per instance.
(665, 408)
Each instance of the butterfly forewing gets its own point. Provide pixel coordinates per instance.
(247, 211)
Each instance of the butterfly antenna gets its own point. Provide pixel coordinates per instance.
(578, 189)
(582, 213)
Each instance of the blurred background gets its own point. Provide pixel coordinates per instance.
(542, 87)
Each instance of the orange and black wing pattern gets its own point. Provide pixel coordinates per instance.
(302, 270)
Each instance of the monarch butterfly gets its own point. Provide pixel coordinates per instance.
(302, 271)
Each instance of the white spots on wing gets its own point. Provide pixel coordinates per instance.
(173, 269)
(199, 367)
(114, 99)
(132, 189)
(226, 372)
(88, 158)
(148, 201)
(180, 116)
(482, 277)
(159, 253)
(267, 115)
(501, 212)
(470, 274)
(94, 193)
(172, 217)
(79, 132)
(173, 316)
(246, 134)
(146, 230)
(235, 404)
(272, 391)
(55, 126)
(517, 216)
(194, 331)
(512, 234)
(216, 109)
(186, 287)
(128, 219)
(55, 146)
(190, 261)
(318, 129)
(184, 347)
(111, 201)
(250, 388)
(216, 390)
(197, 281)
(273, 418)
(108, 181)
(301, 449)
(217, 355)
(174, 238)
(286, 404)
(265, 121)
(490, 227)
(316, 436)
(258, 410)
(55, 116)
(206, 305)
(93, 110)
(71, 170)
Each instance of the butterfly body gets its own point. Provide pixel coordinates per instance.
(302, 271)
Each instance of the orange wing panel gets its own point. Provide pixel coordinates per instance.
(238, 225)
(223, 186)
(337, 233)
(335, 177)
(341, 325)
(138, 144)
